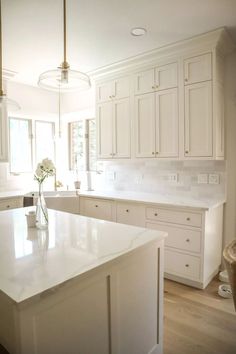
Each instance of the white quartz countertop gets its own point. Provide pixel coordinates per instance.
(33, 261)
(150, 198)
(154, 198)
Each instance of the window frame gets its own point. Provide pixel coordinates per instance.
(33, 149)
(30, 125)
(53, 137)
(72, 167)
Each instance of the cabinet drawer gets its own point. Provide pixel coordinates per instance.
(183, 239)
(97, 208)
(130, 214)
(182, 265)
(6, 204)
(174, 216)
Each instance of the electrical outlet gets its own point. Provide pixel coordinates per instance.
(202, 178)
(173, 177)
(214, 179)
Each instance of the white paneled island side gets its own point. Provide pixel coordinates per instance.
(83, 286)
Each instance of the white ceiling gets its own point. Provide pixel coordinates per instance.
(99, 30)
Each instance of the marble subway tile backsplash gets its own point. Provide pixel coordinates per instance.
(166, 177)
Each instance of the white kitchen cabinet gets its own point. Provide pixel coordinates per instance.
(156, 124)
(130, 213)
(3, 134)
(113, 89)
(159, 78)
(97, 208)
(198, 120)
(193, 247)
(167, 124)
(145, 125)
(11, 203)
(198, 68)
(113, 121)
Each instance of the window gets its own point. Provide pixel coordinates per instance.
(20, 145)
(25, 151)
(44, 140)
(83, 145)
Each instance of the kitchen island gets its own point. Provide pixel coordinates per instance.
(83, 286)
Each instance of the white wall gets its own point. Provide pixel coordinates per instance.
(230, 114)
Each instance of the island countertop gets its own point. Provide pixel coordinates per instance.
(33, 261)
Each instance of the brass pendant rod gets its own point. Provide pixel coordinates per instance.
(64, 23)
(1, 70)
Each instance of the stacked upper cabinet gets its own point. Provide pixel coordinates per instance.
(204, 110)
(113, 118)
(156, 112)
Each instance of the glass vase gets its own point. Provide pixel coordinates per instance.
(41, 211)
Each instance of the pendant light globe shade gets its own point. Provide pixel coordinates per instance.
(65, 80)
(9, 104)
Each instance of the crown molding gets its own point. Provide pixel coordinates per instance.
(216, 39)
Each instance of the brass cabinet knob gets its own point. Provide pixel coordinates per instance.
(153, 153)
(153, 87)
(96, 206)
(155, 214)
(187, 240)
(186, 265)
(186, 151)
(157, 152)
(186, 80)
(8, 206)
(188, 219)
(127, 210)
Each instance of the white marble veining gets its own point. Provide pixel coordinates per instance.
(32, 261)
(155, 198)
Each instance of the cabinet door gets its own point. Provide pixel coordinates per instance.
(3, 134)
(130, 214)
(198, 120)
(167, 128)
(105, 92)
(121, 88)
(121, 128)
(198, 69)
(166, 76)
(145, 125)
(97, 208)
(144, 82)
(104, 130)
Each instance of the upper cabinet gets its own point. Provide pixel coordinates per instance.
(114, 89)
(168, 103)
(197, 69)
(113, 119)
(155, 79)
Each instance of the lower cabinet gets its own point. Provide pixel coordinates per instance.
(11, 203)
(130, 213)
(97, 208)
(193, 247)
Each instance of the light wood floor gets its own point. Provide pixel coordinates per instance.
(198, 321)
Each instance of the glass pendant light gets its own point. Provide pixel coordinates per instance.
(63, 77)
(4, 101)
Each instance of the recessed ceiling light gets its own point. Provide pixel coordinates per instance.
(138, 31)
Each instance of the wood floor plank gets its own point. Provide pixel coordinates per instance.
(198, 321)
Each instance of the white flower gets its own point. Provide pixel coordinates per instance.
(44, 169)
